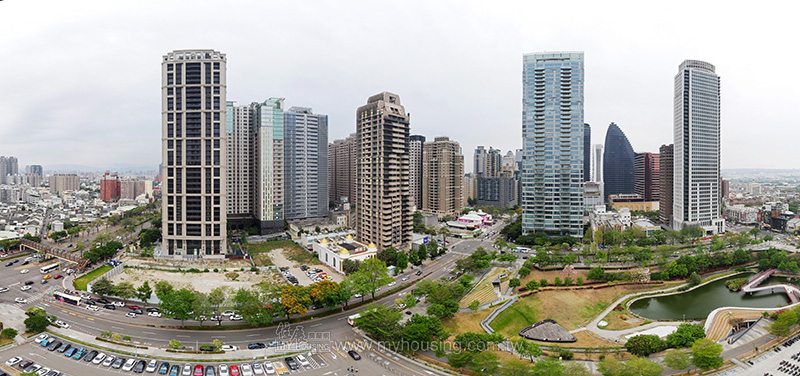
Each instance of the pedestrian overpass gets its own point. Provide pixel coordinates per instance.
(75, 257)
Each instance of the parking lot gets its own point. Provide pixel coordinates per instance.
(64, 360)
(21, 281)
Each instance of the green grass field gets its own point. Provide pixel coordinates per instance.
(524, 312)
(80, 283)
(260, 252)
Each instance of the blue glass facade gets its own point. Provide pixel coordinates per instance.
(618, 163)
(553, 143)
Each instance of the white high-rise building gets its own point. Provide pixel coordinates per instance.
(597, 168)
(552, 141)
(239, 133)
(269, 184)
(194, 158)
(305, 163)
(697, 148)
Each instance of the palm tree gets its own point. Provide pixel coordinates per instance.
(444, 232)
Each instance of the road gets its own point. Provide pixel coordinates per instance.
(330, 334)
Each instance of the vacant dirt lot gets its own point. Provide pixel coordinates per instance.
(201, 282)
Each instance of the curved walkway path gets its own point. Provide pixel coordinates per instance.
(753, 286)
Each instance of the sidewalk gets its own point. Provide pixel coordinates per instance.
(162, 353)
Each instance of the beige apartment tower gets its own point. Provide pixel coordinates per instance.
(342, 157)
(194, 163)
(383, 202)
(442, 177)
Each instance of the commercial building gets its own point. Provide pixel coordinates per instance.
(336, 251)
(109, 187)
(442, 177)
(415, 161)
(342, 157)
(383, 203)
(665, 161)
(647, 177)
(34, 169)
(305, 163)
(742, 214)
(726, 188)
(61, 183)
(553, 134)
(597, 168)
(632, 202)
(697, 148)
(479, 165)
(618, 163)
(499, 191)
(193, 89)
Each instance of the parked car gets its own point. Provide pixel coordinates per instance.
(139, 367)
(291, 363)
(13, 361)
(229, 348)
(53, 346)
(303, 361)
(79, 354)
(28, 283)
(256, 345)
(40, 338)
(62, 324)
(154, 314)
(353, 354)
(129, 364)
(118, 363)
(90, 356)
(198, 370)
(103, 301)
(109, 361)
(269, 368)
(174, 370)
(99, 358)
(419, 272)
(151, 366)
(275, 343)
(163, 369)
(210, 371)
(58, 276)
(64, 348)
(234, 371)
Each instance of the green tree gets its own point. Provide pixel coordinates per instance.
(484, 363)
(125, 290)
(402, 261)
(705, 354)
(372, 274)
(524, 271)
(576, 368)
(175, 344)
(177, 304)
(103, 287)
(645, 344)
(217, 344)
(477, 342)
(388, 255)
(783, 323)
(217, 298)
(548, 367)
(36, 323)
(349, 266)
(596, 273)
(422, 330)
(201, 307)
(295, 300)
(527, 349)
(694, 279)
(514, 282)
(474, 305)
(459, 359)
(685, 335)
(163, 288)
(380, 321)
(144, 292)
(677, 359)
(515, 367)
(9, 333)
(532, 285)
(636, 366)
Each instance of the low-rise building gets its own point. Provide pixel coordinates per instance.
(633, 202)
(741, 214)
(333, 251)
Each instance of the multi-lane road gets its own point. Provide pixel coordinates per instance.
(330, 335)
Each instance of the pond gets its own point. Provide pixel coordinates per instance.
(698, 303)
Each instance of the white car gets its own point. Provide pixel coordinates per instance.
(25, 288)
(24, 271)
(62, 324)
(269, 368)
(118, 304)
(110, 360)
(229, 348)
(93, 308)
(17, 359)
(187, 370)
(246, 370)
(223, 370)
(151, 366)
(43, 371)
(99, 358)
(237, 318)
(228, 313)
(129, 365)
(3, 289)
(41, 338)
(303, 361)
(392, 283)
(21, 300)
(154, 314)
(258, 369)
(130, 315)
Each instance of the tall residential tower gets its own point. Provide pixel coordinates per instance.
(383, 202)
(305, 163)
(442, 177)
(552, 141)
(193, 153)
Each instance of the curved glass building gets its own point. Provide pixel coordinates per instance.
(618, 163)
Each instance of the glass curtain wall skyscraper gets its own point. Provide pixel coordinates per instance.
(618, 163)
(696, 153)
(553, 137)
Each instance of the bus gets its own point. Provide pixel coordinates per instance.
(352, 319)
(67, 298)
(49, 268)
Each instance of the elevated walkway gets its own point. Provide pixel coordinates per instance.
(792, 291)
(75, 257)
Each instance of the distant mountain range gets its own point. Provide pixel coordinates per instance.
(121, 168)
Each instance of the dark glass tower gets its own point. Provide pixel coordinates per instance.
(587, 156)
(618, 163)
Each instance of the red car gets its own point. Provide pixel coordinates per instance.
(134, 307)
(234, 370)
(198, 370)
(57, 276)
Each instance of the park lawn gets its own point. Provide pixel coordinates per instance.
(524, 312)
(619, 320)
(5, 341)
(300, 255)
(80, 283)
(483, 292)
(466, 322)
(260, 251)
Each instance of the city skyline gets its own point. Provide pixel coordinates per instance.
(78, 75)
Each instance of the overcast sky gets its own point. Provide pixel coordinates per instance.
(81, 83)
